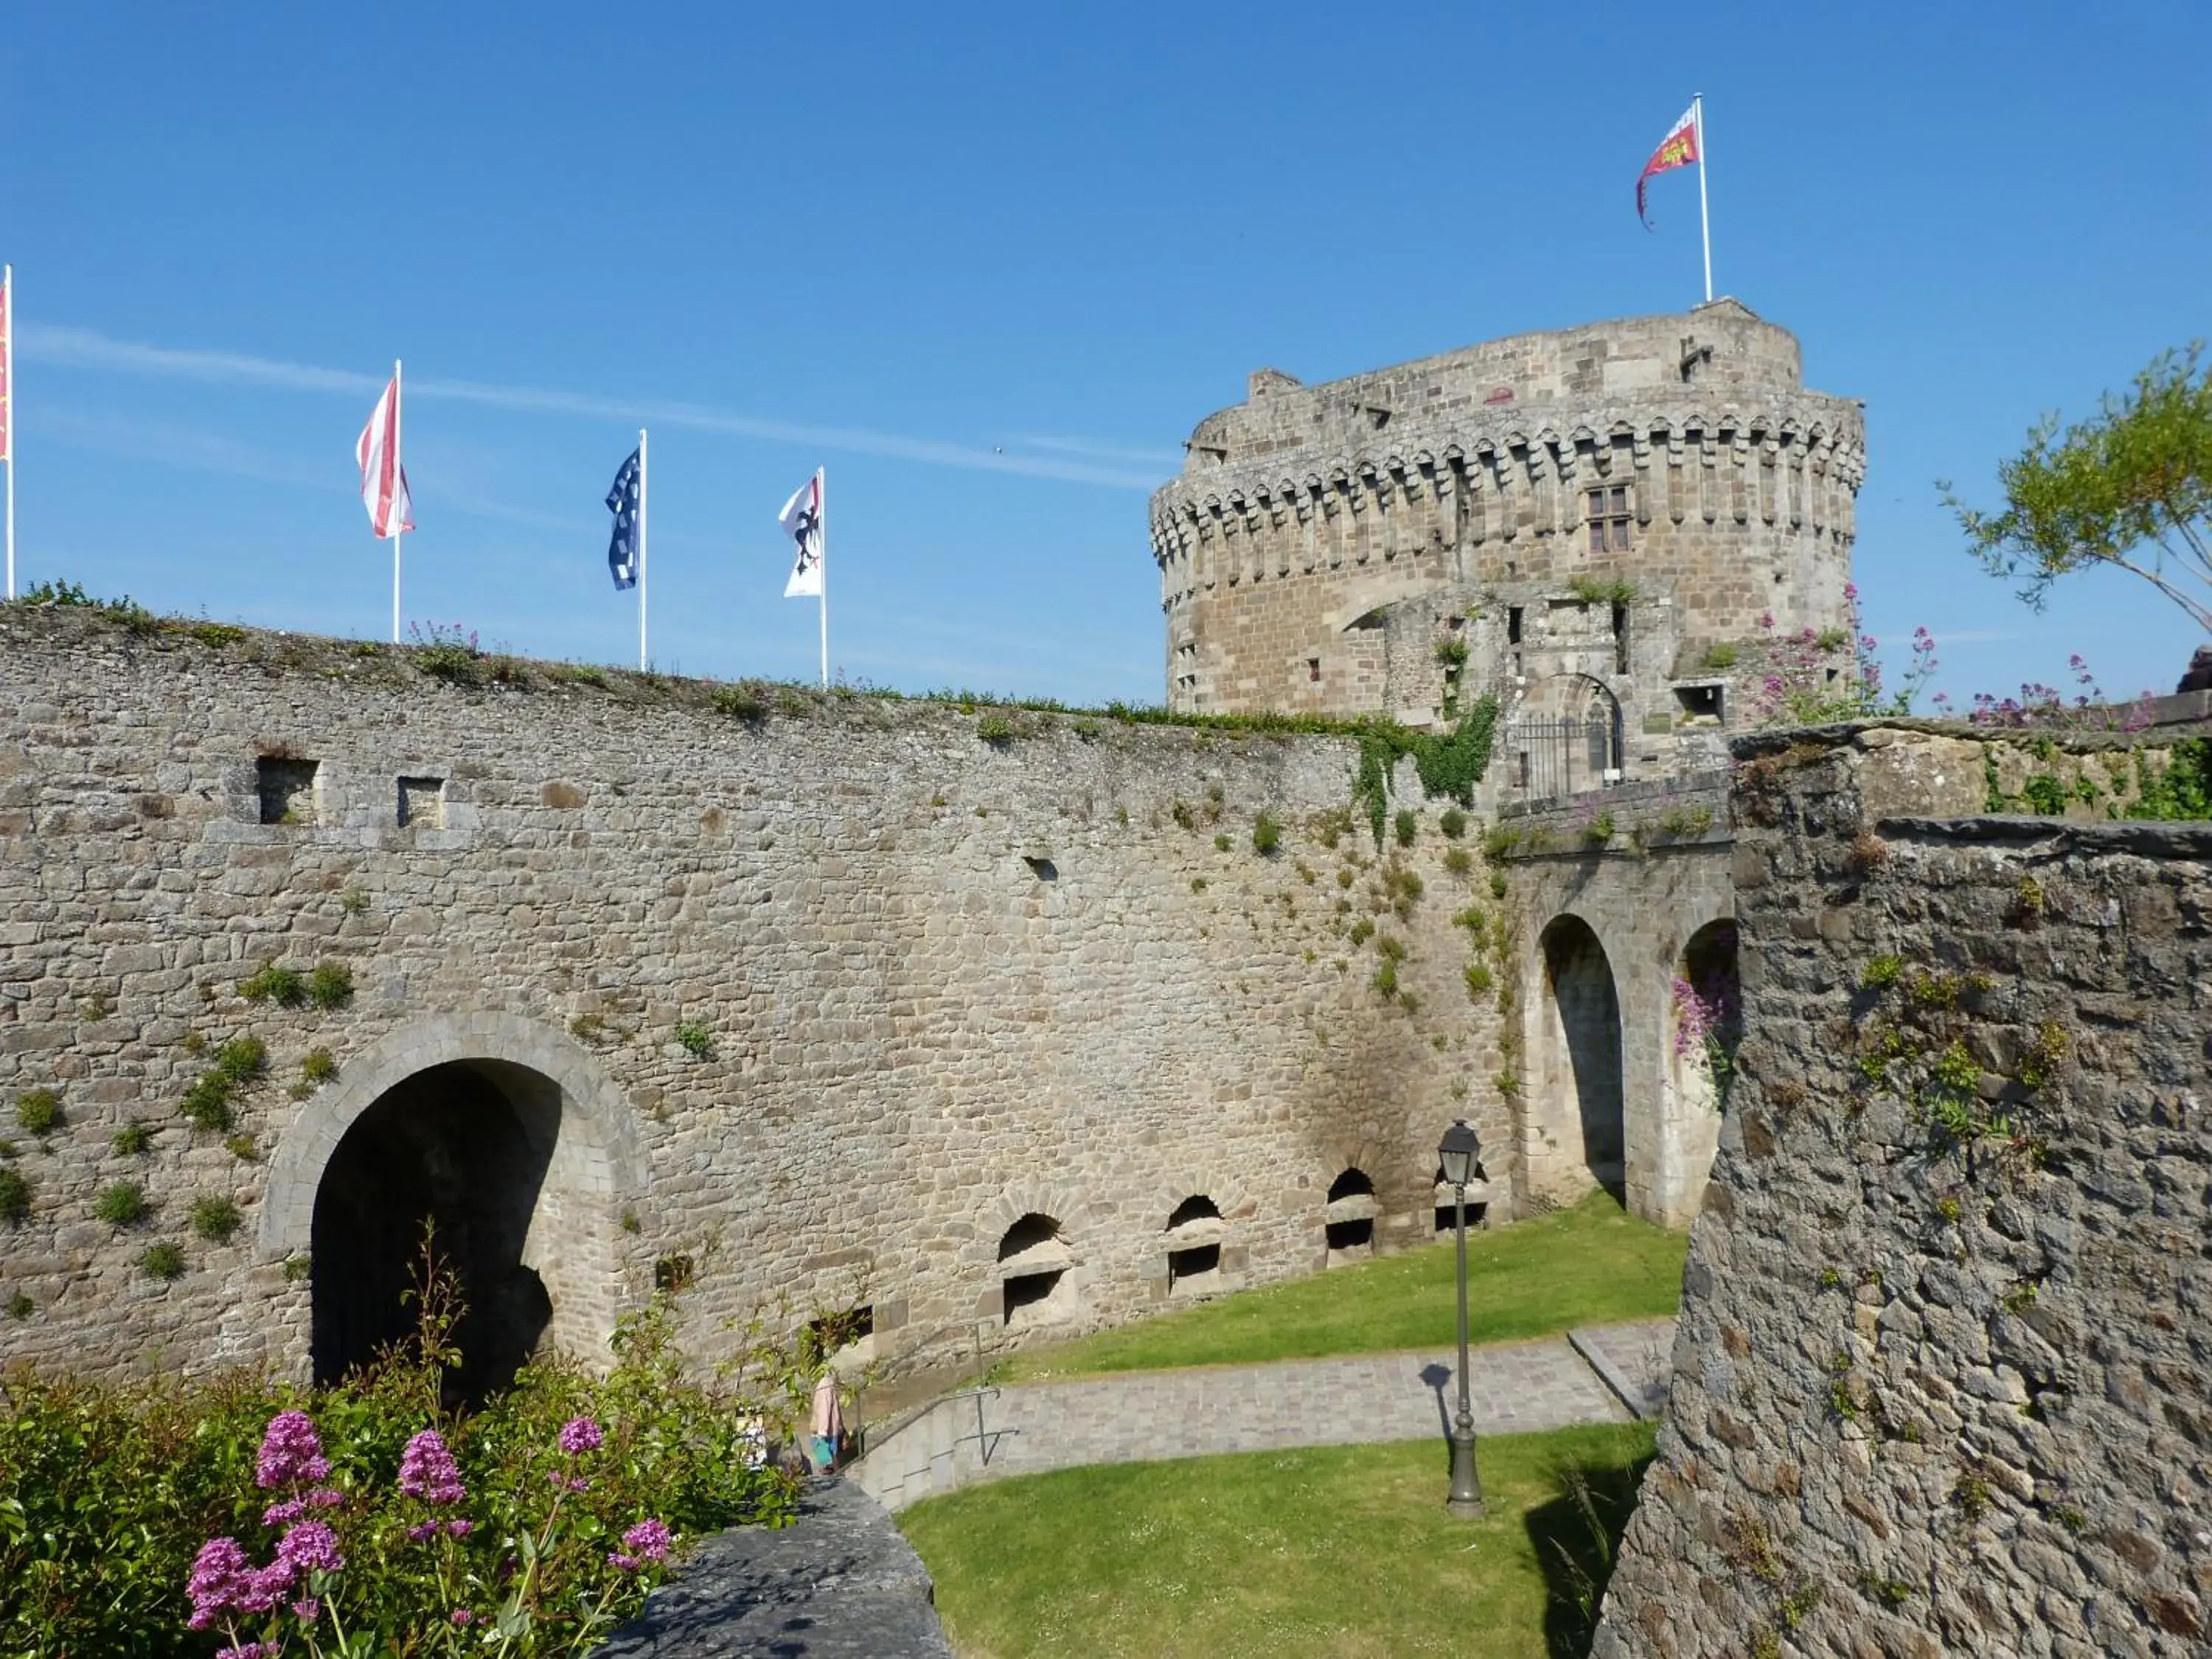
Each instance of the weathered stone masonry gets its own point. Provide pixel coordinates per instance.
(1941, 1379)
(977, 1014)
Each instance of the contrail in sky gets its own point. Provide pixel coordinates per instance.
(87, 348)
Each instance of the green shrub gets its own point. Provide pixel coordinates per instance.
(996, 726)
(1183, 816)
(745, 700)
(242, 1059)
(1390, 948)
(121, 1204)
(1881, 972)
(1601, 589)
(1458, 860)
(354, 902)
(1404, 825)
(1267, 835)
(1222, 843)
(14, 1196)
(1453, 823)
(207, 1103)
(1478, 981)
(215, 633)
(318, 1066)
(299, 1269)
(696, 1037)
(331, 986)
(1718, 656)
(242, 1148)
(131, 1139)
(163, 1261)
(216, 1218)
(20, 1306)
(285, 986)
(1362, 931)
(1386, 979)
(39, 1111)
(1497, 884)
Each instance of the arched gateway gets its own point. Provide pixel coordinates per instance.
(503, 1133)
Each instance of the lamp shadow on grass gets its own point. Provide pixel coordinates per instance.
(1576, 1535)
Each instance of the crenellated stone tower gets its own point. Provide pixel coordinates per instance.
(1593, 524)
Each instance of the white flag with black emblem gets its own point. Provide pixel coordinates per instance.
(801, 519)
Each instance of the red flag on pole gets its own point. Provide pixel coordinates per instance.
(1679, 148)
(383, 480)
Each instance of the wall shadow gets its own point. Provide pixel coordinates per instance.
(1576, 1537)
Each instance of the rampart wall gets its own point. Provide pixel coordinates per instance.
(970, 996)
(1940, 1381)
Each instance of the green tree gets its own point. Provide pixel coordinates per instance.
(2130, 488)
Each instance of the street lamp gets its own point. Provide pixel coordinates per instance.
(1460, 1152)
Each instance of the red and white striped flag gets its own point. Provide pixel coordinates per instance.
(383, 480)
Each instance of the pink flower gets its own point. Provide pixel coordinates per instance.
(283, 1514)
(648, 1539)
(460, 1529)
(463, 1617)
(622, 1562)
(310, 1546)
(427, 1470)
(289, 1452)
(266, 1589)
(325, 1497)
(420, 1530)
(580, 1434)
(308, 1609)
(220, 1575)
(248, 1650)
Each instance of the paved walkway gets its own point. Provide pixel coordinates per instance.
(1600, 1374)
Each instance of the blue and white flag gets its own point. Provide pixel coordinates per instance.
(623, 503)
(801, 519)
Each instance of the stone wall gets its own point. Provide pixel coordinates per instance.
(1305, 517)
(1940, 1385)
(940, 970)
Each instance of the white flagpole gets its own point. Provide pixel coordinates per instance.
(822, 476)
(399, 522)
(640, 549)
(1705, 214)
(8, 375)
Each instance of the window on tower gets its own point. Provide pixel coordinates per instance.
(1610, 519)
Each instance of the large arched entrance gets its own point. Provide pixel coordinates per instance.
(507, 1139)
(455, 1158)
(1581, 1066)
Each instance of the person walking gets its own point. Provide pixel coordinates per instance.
(826, 1432)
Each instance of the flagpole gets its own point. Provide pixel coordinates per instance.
(640, 549)
(399, 524)
(8, 383)
(821, 474)
(1705, 214)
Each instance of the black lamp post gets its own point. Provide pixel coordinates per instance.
(1460, 1154)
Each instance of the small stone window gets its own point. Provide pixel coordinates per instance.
(422, 803)
(830, 1335)
(1703, 703)
(1033, 1264)
(1610, 519)
(1194, 1238)
(290, 790)
(1350, 1217)
(1313, 668)
(1513, 624)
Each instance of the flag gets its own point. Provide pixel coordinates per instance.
(383, 481)
(623, 503)
(801, 519)
(1677, 149)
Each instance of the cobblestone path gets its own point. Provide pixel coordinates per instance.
(1354, 1399)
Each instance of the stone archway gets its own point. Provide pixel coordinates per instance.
(1577, 1079)
(508, 1136)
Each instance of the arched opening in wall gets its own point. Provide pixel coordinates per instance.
(1349, 1220)
(1584, 1016)
(1705, 1013)
(461, 1148)
(1194, 1232)
(1478, 1201)
(1033, 1264)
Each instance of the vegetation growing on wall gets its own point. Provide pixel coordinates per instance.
(1449, 765)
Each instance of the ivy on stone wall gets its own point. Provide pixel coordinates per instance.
(1450, 763)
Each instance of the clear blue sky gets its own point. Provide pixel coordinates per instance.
(899, 241)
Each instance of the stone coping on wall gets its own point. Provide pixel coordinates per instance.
(2146, 837)
(2166, 719)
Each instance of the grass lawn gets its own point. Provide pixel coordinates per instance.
(1343, 1551)
(1590, 1265)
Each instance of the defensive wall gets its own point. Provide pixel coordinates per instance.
(1939, 1384)
(1601, 525)
(993, 1023)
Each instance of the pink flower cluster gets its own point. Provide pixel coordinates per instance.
(224, 1583)
(290, 1453)
(648, 1540)
(578, 1435)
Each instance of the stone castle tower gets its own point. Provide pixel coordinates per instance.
(1591, 523)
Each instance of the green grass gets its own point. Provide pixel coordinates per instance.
(1591, 1265)
(1343, 1551)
